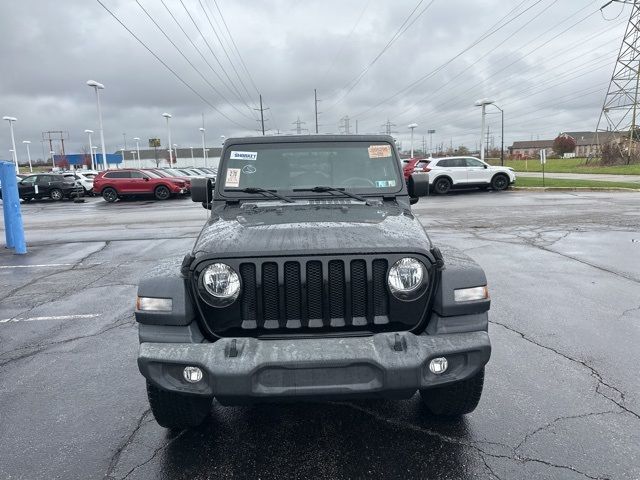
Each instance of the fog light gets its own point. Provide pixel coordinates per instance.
(438, 365)
(193, 374)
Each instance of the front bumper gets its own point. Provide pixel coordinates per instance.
(250, 369)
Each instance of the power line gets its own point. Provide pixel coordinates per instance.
(344, 42)
(168, 67)
(401, 30)
(224, 49)
(187, 59)
(224, 71)
(480, 39)
(235, 46)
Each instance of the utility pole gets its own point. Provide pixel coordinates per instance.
(356, 127)
(315, 101)
(298, 123)
(261, 109)
(619, 113)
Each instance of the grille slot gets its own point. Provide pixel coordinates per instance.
(314, 294)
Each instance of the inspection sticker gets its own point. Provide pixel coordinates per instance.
(233, 177)
(379, 151)
(244, 155)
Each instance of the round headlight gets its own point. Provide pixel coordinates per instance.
(222, 283)
(406, 276)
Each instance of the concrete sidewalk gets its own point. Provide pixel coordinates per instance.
(603, 177)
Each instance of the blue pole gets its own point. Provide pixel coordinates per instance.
(14, 230)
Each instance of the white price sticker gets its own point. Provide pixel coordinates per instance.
(233, 177)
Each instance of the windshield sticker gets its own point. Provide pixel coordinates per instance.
(248, 169)
(244, 155)
(379, 151)
(233, 177)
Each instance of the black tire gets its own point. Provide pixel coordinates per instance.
(56, 194)
(442, 185)
(500, 182)
(161, 193)
(176, 410)
(110, 195)
(455, 399)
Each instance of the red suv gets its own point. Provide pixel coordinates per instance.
(114, 184)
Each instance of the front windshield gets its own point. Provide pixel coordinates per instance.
(361, 166)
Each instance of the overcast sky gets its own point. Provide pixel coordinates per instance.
(545, 80)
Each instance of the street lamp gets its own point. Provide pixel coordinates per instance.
(98, 86)
(175, 149)
(11, 121)
(53, 160)
(483, 103)
(412, 126)
(137, 139)
(193, 162)
(204, 152)
(168, 116)
(133, 157)
(27, 143)
(93, 159)
(94, 149)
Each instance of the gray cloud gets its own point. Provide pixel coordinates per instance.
(50, 49)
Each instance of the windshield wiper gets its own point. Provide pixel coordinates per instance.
(322, 188)
(273, 193)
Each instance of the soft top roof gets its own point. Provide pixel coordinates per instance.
(309, 139)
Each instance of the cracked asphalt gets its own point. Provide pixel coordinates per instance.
(562, 389)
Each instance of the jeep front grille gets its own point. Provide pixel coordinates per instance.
(314, 294)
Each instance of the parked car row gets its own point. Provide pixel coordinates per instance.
(450, 173)
(161, 183)
(47, 185)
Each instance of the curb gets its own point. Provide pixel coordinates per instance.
(577, 189)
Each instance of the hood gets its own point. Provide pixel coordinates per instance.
(310, 227)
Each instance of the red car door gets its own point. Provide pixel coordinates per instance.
(140, 183)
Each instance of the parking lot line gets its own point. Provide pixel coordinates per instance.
(37, 266)
(43, 319)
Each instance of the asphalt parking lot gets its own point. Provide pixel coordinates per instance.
(562, 390)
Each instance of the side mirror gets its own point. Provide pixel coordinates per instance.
(201, 190)
(146, 179)
(418, 185)
(486, 166)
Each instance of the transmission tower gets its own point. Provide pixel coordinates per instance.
(298, 123)
(619, 113)
(387, 127)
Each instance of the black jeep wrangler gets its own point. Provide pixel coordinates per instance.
(312, 279)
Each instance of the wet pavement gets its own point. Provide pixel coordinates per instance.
(562, 390)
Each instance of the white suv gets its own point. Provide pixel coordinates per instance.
(464, 172)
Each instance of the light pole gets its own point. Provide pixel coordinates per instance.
(94, 149)
(123, 164)
(501, 134)
(412, 126)
(93, 159)
(193, 162)
(175, 149)
(11, 121)
(27, 143)
(137, 139)
(133, 157)
(53, 160)
(483, 103)
(98, 86)
(204, 151)
(168, 116)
